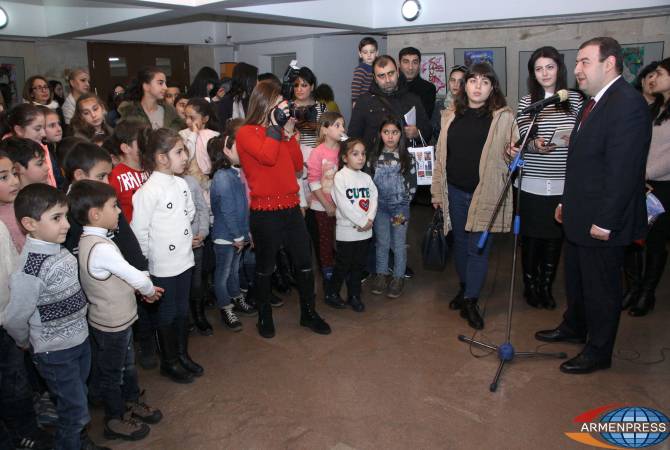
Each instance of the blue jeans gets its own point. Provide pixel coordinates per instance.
(116, 372)
(226, 274)
(471, 262)
(17, 416)
(173, 305)
(65, 372)
(390, 236)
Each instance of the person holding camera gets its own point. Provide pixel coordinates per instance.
(270, 157)
(308, 111)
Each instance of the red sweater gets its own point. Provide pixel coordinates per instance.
(270, 167)
(126, 181)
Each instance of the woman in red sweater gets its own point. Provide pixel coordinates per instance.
(270, 157)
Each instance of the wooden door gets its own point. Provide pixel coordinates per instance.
(112, 63)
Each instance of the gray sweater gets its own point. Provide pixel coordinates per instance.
(47, 305)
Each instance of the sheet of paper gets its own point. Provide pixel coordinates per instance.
(410, 117)
(561, 137)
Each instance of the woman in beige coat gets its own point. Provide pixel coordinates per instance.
(474, 137)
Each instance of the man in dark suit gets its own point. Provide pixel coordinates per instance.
(603, 204)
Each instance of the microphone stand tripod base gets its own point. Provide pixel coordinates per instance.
(507, 354)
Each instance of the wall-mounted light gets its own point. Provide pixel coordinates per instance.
(410, 9)
(4, 19)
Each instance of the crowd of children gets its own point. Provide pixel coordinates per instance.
(109, 234)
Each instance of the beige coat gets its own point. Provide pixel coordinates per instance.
(492, 174)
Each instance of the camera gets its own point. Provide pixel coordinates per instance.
(299, 113)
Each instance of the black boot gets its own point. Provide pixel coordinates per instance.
(530, 249)
(470, 311)
(182, 350)
(170, 367)
(308, 315)
(653, 271)
(266, 326)
(198, 313)
(632, 271)
(456, 303)
(548, 267)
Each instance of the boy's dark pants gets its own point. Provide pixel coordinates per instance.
(116, 371)
(65, 372)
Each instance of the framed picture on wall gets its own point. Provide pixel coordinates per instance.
(434, 69)
(12, 77)
(226, 69)
(496, 56)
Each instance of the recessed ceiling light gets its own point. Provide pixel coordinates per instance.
(4, 19)
(410, 9)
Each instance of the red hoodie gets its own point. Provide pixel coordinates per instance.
(126, 181)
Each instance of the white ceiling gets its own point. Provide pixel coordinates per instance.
(231, 22)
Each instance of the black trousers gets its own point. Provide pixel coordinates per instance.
(272, 230)
(594, 291)
(350, 259)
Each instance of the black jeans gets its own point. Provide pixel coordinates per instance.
(116, 371)
(196, 275)
(173, 305)
(17, 417)
(272, 230)
(350, 259)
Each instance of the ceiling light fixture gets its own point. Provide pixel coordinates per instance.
(410, 10)
(4, 19)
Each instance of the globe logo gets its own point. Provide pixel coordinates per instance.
(635, 427)
(621, 426)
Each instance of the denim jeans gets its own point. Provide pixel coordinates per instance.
(226, 274)
(392, 236)
(173, 305)
(65, 372)
(17, 416)
(116, 372)
(471, 262)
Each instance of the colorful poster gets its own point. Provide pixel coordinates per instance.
(424, 164)
(633, 60)
(476, 56)
(433, 69)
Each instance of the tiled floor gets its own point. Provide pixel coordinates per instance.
(396, 377)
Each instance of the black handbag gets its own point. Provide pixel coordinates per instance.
(434, 247)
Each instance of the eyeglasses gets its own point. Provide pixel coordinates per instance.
(40, 88)
(390, 132)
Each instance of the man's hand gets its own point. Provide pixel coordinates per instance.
(558, 214)
(599, 233)
(411, 131)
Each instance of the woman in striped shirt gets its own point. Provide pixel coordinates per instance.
(544, 175)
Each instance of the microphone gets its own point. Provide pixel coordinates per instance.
(558, 97)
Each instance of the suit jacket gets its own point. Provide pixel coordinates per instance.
(605, 170)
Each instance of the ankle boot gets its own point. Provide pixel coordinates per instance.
(182, 350)
(456, 303)
(308, 315)
(265, 326)
(548, 267)
(632, 271)
(470, 312)
(653, 271)
(203, 327)
(530, 249)
(170, 367)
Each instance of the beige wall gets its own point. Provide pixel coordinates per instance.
(561, 36)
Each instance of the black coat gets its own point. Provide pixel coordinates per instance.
(605, 173)
(426, 91)
(372, 107)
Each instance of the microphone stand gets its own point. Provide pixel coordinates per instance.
(505, 351)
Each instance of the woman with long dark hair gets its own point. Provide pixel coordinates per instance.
(469, 175)
(205, 84)
(235, 103)
(270, 157)
(643, 278)
(544, 175)
(146, 105)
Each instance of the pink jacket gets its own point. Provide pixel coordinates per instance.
(321, 168)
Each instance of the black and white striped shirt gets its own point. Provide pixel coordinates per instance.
(548, 166)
